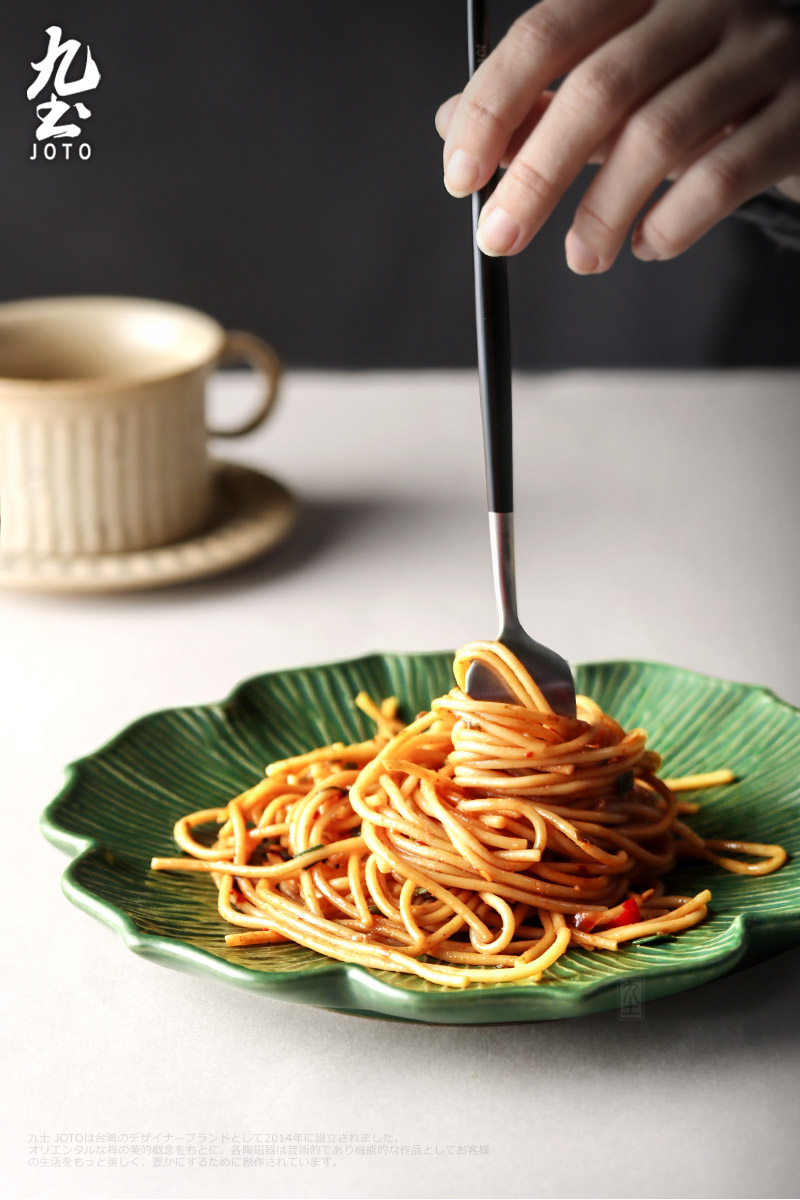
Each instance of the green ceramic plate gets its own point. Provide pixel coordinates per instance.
(118, 806)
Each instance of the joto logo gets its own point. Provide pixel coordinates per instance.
(52, 74)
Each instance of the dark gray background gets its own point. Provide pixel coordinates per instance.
(274, 162)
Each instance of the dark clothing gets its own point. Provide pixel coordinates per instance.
(776, 215)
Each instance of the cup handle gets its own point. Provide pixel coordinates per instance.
(246, 347)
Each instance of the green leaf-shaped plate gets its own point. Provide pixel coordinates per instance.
(118, 807)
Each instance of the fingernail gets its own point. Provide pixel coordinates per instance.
(497, 233)
(461, 174)
(643, 250)
(580, 258)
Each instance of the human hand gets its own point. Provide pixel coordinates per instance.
(704, 92)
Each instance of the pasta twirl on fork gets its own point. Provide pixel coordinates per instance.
(476, 844)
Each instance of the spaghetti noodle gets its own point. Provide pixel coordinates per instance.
(476, 844)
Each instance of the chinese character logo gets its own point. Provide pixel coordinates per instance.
(630, 1000)
(53, 73)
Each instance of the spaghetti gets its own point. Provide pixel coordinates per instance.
(476, 844)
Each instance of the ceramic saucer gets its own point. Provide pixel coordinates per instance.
(252, 514)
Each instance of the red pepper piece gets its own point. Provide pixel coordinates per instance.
(629, 915)
(586, 921)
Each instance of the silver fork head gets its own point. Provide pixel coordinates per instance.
(548, 670)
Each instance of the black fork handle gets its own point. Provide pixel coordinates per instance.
(491, 319)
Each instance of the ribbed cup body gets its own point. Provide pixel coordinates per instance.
(106, 470)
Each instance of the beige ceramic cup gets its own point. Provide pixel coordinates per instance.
(103, 433)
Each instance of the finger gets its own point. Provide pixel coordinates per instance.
(444, 115)
(521, 135)
(683, 121)
(542, 44)
(588, 107)
(761, 151)
(790, 186)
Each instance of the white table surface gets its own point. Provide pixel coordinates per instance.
(657, 518)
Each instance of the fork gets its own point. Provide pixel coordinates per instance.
(548, 669)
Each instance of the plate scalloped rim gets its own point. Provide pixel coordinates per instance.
(359, 990)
